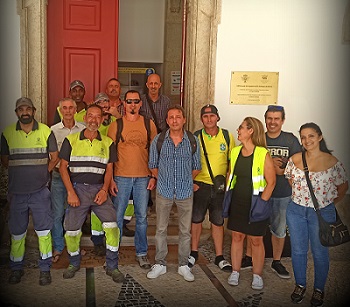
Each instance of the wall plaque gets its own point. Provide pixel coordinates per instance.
(254, 87)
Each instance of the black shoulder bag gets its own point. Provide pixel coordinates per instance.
(219, 180)
(331, 234)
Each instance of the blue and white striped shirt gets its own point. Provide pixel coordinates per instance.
(175, 165)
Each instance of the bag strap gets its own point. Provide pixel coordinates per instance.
(206, 157)
(306, 171)
(153, 114)
(147, 123)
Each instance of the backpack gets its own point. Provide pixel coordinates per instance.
(119, 136)
(190, 137)
(224, 132)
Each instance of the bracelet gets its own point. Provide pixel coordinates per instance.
(150, 176)
(103, 191)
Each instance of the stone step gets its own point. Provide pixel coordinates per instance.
(173, 237)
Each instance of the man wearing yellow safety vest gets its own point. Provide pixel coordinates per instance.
(29, 150)
(86, 169)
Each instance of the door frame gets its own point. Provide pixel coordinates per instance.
(203, 17)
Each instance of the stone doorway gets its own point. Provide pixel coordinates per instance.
(203, 17)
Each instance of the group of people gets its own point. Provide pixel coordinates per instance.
(103, 154)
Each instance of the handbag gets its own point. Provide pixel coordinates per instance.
(219, 180)
(227, 200)
(260, 210)
(331, 234)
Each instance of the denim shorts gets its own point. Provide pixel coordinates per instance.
(205, 199)
(278, 221)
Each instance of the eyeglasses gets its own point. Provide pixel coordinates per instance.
(275, 107)
(241, 127)
(130, 101)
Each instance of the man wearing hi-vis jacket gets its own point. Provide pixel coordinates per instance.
(29, 150)
(86, 169)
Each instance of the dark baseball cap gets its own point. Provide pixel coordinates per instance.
(76, 83)
(209, 108)
(24, 101)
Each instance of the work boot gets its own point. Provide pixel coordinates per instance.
(45, 278)
(16, 276)
(70, 271)
(116, 275)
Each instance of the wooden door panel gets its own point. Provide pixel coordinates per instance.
(82, 44)
(82, 15)
(85, 63)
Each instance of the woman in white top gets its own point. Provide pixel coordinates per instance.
(329, 182)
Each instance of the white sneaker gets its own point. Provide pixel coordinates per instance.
(233, 279)
(257, 283)
(185, 271)
(156, 271)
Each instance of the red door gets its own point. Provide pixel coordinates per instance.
(82, 44)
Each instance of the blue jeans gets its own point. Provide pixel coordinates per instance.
(303, 228)
(59, 203)
(138, 187)
(278, 221)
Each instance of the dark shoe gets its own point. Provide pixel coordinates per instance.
(116, 275)
(247, 263)
(223, 264)
(279, 269)
(70, 271)
(143, 262)
(128, 232)
(99, 250)
(317, 298)
(16, 276)
(298, 294)
(45, 278)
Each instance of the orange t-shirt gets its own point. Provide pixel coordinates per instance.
(132, 153)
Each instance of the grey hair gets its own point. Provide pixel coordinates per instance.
(67, 99)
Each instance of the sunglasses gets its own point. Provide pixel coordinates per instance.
(130, 101)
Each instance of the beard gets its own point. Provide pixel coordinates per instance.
(133, 111)
(26, 119)
(92, 128)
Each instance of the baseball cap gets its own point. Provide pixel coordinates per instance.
(209, 108)
(24, 101)
(100, 97)
(76, 83)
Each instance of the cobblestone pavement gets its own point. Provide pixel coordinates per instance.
(92, 287)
